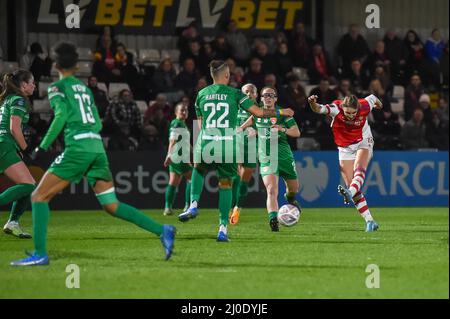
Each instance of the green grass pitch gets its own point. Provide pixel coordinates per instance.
(324, 256)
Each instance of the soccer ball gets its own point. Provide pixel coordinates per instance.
(288, 215)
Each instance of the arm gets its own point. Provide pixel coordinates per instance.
(374, 102)
(199, 122)
(316, 107)
(56, 127)
(16, 131)
(261, 112)
(293, 131)
(247, 123)
(168, 161)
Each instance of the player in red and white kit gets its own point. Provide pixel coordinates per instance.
(354, 140)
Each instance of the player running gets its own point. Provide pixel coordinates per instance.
(354, 140)
(247, 147)
(84, 155)
(216, 108)
(14, 113)
(177, 158)
(275, 155)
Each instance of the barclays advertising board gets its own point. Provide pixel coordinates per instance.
(392, 179)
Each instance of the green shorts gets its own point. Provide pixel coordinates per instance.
(224, 161)
(285, 169)
(224, 170)
(72, 166)
(180, 168)
(8, 156)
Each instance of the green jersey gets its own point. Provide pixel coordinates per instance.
(265, 135)
(75, 112)
(12, 105)
(179, 131)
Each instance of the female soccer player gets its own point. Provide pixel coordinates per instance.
(354, 140)
(275, 155)
(247, 146)
(179, 166)
(84, 155)
(14, 112)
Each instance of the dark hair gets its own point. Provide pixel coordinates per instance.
(35, 48)
(351, 101)
(217, 66)
(123, 91)
(66, 55)
(11, 85)
(269, 87)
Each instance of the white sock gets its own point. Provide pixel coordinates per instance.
(223, 229)
(367, 216)
(193, 204)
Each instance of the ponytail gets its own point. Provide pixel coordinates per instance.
(11, 85)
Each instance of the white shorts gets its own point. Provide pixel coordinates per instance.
(349, 152)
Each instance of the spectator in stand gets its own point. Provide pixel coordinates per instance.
(343, 89)
(424, 104)
(126, 117)
(107, 31)
(442, 109)
(378, 58)
(100, 97)
(240, 49)
(296, 98)
(320, 66)
(157, 116)
(300, 45)
(150, 139)
(187, 79)
(104, 67)
(396, 53)
(412, 94)
(415, 54)
(324, 94)
(126, 66)
(359, 78)
(413, 135)
(385, 78)
(352, 46)
(159, 105)
(255, 74)
(271, 80)
(434, 49)
(376, 88)
(437, 132)
(444, 68)
(189, 34)
(262, 53)
(195, 53)
(208, 56)
(236, 73)
(36, 62)
(283, 61)
(221, 47)
(164, 78)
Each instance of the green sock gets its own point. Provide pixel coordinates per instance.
(18, 208)
(236, 183)
(15, 192)
(41, 214)
(170, 195)
(225, 197)
(242, 195)
(196, 185)
(135, 216)
(273, 215)
(188, 194)
(290, 197)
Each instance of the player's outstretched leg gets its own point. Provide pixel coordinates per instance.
(225, 199)
(363, 209)
(20, 196)
(196, 189)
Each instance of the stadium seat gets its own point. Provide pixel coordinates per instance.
(85, 54)
(41, 106)
(142, 105)
(397, 107)
(307, 144)
(173, 54)
(43, 86)
(115, 88)
(102, 86)
(147, 56)
(399, 92)
(133, 52)
(84, 68)
(8, 66)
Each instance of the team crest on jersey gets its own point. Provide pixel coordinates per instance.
(54, 89)
(273, 120)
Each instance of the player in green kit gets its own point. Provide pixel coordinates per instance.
(275, 155)
(84, 155)
(14, 113)
(178, 159)
(248, 148)
(217, 107)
